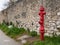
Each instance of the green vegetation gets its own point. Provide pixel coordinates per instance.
(47, 41)
(33, 33)
(13, 31)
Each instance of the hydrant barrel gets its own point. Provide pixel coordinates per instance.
(41, 22)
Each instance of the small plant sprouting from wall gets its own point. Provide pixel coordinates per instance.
(33, 33)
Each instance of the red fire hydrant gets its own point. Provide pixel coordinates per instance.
(41, 22)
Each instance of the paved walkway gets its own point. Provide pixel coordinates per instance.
(5, 40)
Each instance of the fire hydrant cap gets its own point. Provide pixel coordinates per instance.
(41, 8)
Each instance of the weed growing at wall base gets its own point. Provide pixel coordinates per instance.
(12, 32)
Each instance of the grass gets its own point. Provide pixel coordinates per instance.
(15, 32)
(47, 41)
(12, 32)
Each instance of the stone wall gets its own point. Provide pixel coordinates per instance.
(24, 13)
(52, 18)
(2, 17)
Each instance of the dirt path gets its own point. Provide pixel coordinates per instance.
(5, 40)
